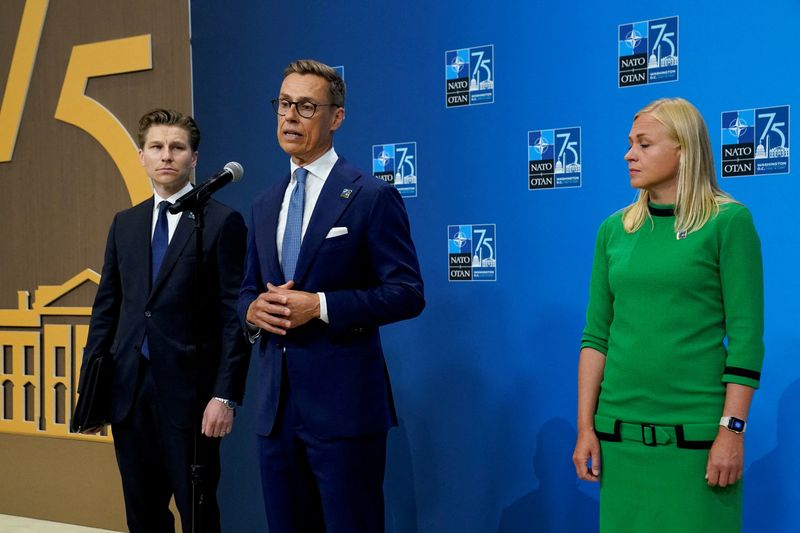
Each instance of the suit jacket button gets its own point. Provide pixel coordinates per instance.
(148, 314)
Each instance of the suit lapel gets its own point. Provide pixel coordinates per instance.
(265, 218)
(179, 240)
(339, 190)
(142, 235)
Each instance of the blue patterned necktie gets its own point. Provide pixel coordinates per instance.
(293, 234)
(158, 247)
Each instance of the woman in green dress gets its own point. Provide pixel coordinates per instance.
(672, 349)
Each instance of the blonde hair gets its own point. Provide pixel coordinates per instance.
(698, 197)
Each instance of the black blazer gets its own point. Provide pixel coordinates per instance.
(126, 308)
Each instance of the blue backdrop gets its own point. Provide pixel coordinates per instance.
(485, 379)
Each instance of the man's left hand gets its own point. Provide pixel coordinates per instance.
(303, 306)
(725, 459)
(217, 420)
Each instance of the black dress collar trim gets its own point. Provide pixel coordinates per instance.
(661, 211)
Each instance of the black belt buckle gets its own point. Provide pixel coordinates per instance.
(652, 429)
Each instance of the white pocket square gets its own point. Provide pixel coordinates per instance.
(336, 232)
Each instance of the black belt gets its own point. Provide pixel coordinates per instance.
(689, 436)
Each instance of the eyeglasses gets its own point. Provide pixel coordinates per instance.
(304, 109)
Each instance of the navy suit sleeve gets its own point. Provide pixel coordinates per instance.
(252, 284)
(235, 356)
(106, 308)
(398, 291)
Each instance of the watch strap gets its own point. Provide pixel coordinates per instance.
(731, 423)
(230, 404)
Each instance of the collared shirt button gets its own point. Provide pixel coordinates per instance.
(148, 314)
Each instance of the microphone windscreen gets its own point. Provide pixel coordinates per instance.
(236, 170)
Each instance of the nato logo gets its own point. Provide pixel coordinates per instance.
(340, 71)
(472, 252)
(469, 76)
(755, 141)
(554, 158)
(648, 52)
(397, 164)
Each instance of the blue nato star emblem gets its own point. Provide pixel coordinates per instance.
(459, 238)
(738, 127)
(632, 39)
(383, 158)
(457, 64)
(540, 145)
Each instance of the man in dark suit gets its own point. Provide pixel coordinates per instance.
(146, 314)
(329, 260)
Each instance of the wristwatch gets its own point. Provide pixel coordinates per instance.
(230, 404)
(737, 425)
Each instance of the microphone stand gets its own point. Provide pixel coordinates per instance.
(194, 202)
(197, 467)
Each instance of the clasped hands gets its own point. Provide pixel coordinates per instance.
(282, 308)
(724, 466)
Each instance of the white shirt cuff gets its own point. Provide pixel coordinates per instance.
(323, 307)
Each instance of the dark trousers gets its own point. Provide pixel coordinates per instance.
(320, 486)
(154, 459)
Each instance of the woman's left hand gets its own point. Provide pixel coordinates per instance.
(725, 459)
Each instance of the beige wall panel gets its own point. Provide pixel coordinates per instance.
(60, 192)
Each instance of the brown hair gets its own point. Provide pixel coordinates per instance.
(169, 117)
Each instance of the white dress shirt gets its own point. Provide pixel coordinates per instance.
(172, 220)
(318, 172)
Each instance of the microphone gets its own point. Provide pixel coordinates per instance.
(199, 195)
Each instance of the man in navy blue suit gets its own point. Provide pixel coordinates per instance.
(329, 260)
(146, 315)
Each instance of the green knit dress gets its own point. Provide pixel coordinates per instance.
(678, 316)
